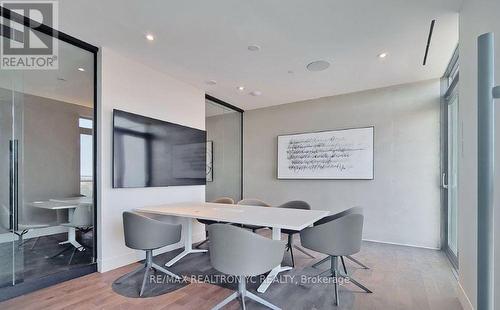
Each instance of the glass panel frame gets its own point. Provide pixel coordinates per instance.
(225, 135)
(452, 175)
(24, 287)
(450, 158)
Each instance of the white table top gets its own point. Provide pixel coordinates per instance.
(251, 215)
(64, 203)
(75, 200)
(52, 205)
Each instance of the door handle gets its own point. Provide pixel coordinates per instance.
(13, 184)
(443, 180)
(496, 92)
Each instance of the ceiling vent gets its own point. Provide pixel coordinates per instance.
(429, 41)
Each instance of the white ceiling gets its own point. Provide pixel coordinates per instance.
(204, 40)
(65, 84)
(214, 109)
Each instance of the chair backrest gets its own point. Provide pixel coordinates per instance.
(144, 233)
(226, 200)
(296, 204)
(353, 210)
(338, 237)
(253, 202)
(82, 217)
(236, 251)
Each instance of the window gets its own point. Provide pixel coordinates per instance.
(85, 123)
(86, 156)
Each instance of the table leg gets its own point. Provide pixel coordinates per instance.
(72, 233)
(274, 272)
(72, 239)
(188, 243)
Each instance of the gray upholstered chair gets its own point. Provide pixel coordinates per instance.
(253, 202)
(147, 234)
(238, 252)
(354, 210)
(82, 220)
(294, 204)
(224, 200)
(336, 236)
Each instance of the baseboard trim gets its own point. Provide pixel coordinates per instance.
(46, 281)
(463, 298)
(403, 244)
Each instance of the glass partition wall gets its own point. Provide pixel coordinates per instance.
(450, 157)
(47, 170)
(224, 150)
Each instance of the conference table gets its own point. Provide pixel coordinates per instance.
(69, 204)
(275, 218)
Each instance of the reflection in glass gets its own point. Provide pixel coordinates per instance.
(86, 164)
(453, 175)
(224, 136)
(46, 165)
(148, 152)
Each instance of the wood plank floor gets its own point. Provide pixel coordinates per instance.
(401, 278)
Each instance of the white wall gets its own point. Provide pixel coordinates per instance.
(476, 17)
(402, 203)
(133, 87)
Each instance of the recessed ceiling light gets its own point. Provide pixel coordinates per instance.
(150, 37)
(211, 82)
(256, 93)
(318, 65)
(254, 48)
(241, 88)
(382, 55)
(81, 69)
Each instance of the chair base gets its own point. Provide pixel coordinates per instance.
(34, 243)
(336, 273)
(201, 243)
(242, 293)
(290, 246)
(303, 251)
(206, 239)
(81, 248)
(148, 265)
(349, 257)
(324, 260)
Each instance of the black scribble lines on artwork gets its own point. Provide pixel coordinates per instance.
(318, 154)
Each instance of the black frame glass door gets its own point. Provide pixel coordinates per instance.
(50, 220)
(224, 126)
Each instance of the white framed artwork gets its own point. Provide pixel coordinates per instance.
(336, 154)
